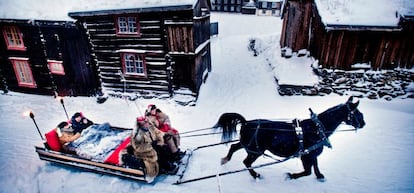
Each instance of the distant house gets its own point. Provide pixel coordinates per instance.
(249, 8)
(341, 35)
(269, 7)
(45, 57)
(230, 5)
(150, 49)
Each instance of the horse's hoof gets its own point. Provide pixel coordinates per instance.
(224, 161)
(323, 179)
(288, 176)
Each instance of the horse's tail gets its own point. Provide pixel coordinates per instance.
(228, 123)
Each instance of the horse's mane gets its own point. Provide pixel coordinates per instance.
(334, 108)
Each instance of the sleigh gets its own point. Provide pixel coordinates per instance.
(103, 162)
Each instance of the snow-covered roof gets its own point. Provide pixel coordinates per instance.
(363, 12)
(59, 9)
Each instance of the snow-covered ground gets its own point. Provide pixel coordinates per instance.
(374, 159)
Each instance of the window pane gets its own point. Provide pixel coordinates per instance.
(134, 64)
(129, 63)
(139, 66)
(13, 38)
(23, 73)
(132, 25)
(122, 24)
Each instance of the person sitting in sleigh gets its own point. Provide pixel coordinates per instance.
(161, 121)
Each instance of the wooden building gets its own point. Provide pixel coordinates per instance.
(249, 8)
(269, 7)
(150, 50)
(45, 57)
(229, 5)
(382, 45)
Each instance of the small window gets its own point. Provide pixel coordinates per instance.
(13, 38)
(127, 26)
(133, 64)
(23, 72)
(56, 67)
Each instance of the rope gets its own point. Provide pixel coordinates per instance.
(192, 131)
(198, 135)
(274, 129)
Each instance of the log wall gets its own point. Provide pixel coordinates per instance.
(342, 46)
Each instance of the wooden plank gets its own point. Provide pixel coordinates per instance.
(60, 156)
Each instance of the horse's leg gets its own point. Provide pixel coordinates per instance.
(248, 163)
(307, 163)
(318, 174)
(233, 148)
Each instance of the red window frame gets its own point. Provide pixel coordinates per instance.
(56, 67)
(130, 61)
(127, 25)
(23, 72)
(13, 38)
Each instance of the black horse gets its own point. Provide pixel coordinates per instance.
(285, 140)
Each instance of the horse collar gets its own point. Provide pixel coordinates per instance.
(321, 128)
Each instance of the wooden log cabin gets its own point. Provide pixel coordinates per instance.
(152, 49)
(379, 41)
(46, 57)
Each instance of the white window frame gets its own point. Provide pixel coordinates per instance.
(134, 64)
(127, 25)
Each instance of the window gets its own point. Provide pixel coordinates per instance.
(127, 26)
(133, 64)
(56, 67)
(23, 72)
(13, 38)
(264, 5)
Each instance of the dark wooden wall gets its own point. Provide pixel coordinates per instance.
(382, 48)
(342, 46)
(179, 34)
(105, 43)
(51, 40)
(35, 53)
(296, 23)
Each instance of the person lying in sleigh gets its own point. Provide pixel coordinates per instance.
(69, 131)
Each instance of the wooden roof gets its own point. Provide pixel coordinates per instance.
(131, 10)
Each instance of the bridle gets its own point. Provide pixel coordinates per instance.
(351, 117)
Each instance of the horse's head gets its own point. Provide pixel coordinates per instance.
(355, 117)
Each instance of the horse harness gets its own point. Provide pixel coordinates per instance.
(324, 140)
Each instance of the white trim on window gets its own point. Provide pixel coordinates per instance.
(134, 64)
(127, 25)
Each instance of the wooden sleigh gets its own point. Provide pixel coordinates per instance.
(52, 151)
